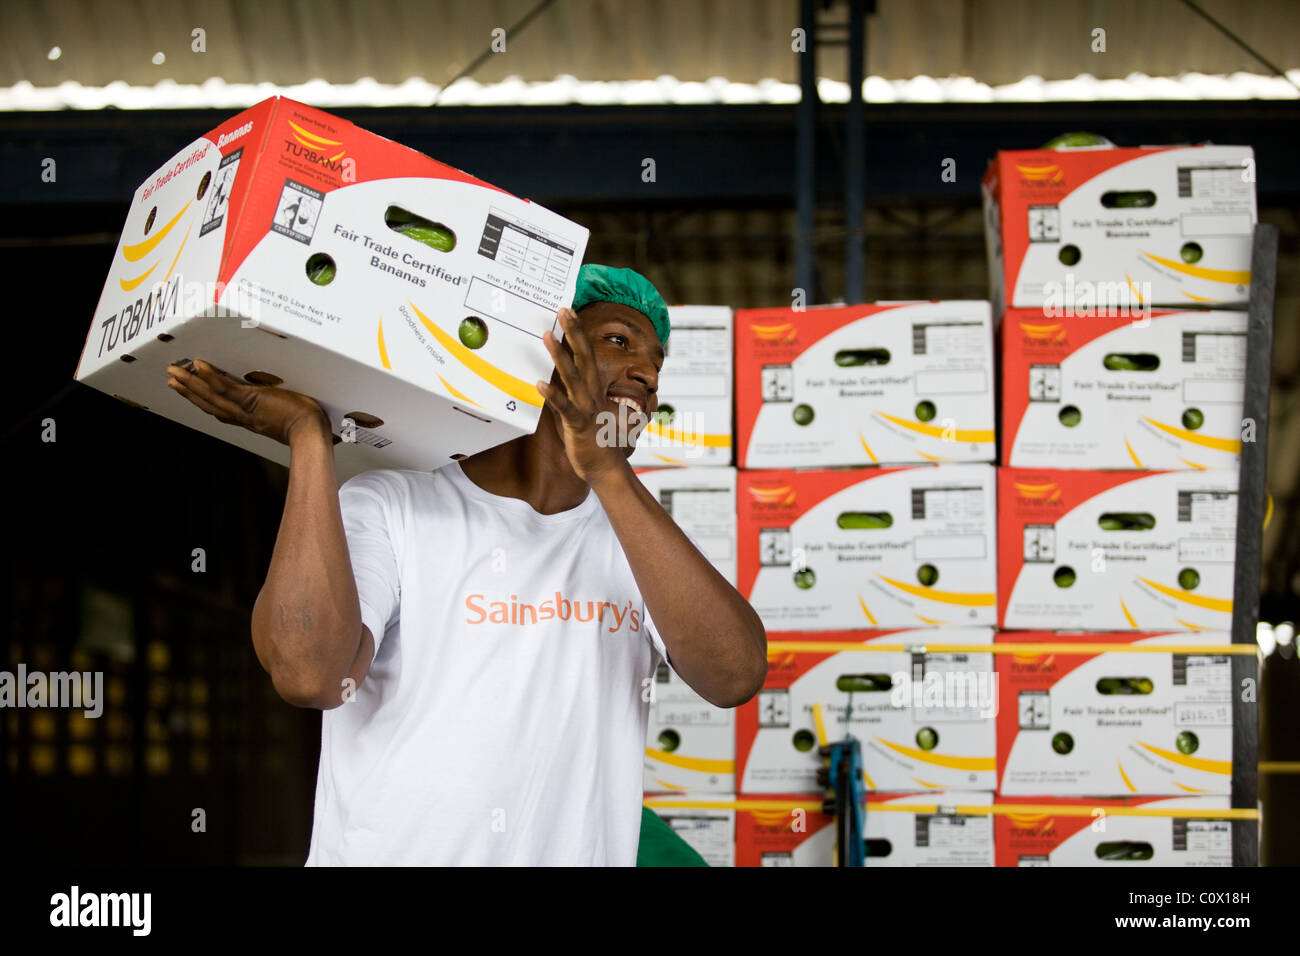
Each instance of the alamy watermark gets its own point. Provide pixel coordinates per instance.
(681, 432)
(127, 910)
(947, 690)
(1110, 299)
(76, 690)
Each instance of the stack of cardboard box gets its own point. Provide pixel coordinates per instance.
(684, 456)
(866, 543)
(1115, 273)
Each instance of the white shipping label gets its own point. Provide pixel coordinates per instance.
(963, 838)
(943, 339)
(710, 836)
(698, 361)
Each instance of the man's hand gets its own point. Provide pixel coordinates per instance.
(579, 401)
(263, 409)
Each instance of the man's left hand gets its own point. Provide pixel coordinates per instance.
(579, 401)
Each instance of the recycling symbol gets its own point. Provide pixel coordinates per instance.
(510, 405)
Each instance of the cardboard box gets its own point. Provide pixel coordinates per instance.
(1152, 225)
(945, 833)
(1114, 721)
(696, 394)
(703, 503)
(690, 744)
(430, 354)
(929, 724)
(1114, 551)
(902, 829)
(1060, 832)
(863, 385)
(1094, 391)
(801, 835)
(869, 547)
(710, 830)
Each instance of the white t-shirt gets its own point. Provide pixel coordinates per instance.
(502, 721)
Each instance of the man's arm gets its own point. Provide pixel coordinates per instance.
(306, 622)
(715, 639)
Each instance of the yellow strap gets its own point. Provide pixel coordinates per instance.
(831, 647)
(997, 809)
(819, 724)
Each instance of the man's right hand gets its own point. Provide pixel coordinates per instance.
(268, 410)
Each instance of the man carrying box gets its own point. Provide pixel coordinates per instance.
(483, 638)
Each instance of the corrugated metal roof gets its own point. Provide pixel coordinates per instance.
(995, 42)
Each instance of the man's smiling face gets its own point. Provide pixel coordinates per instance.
(628, 359)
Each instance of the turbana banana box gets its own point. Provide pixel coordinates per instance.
(924, 714)
(289, 246)
(1116, 550)
(709, 830)
(1098, 717)
(1120, 227)
(1163, 391)
(868, 547)
(695, 390)
(902, 829)
(703, 503)
(690, 744)
(885, 383)
(1054, 831)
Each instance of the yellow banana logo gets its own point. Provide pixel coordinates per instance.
(1048, 492)
(318, 144)
(1050, 173)
(139, 250)
(785, 332)
(771, 496)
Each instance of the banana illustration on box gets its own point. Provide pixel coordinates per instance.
(1116, 550)
(696, 393)
(903, 829)
(925, 718)
(1115, 721)
(1125, 227)
(292, 247)
(868, 547)
(1097, 391)
(1055, 831)
(864, 385)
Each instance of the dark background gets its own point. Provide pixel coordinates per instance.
(101, 522)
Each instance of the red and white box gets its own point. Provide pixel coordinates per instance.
(1113, 720)
(890, 382)
(696, 395)
(1177, 831)
(868, 547)
(902, 829)
(703, 503)
(1114, 550)
(1126, 227)
(707, 825)
(929, 829)
(418, 355)
(925, 718)
(1094, 391)
(798, 835)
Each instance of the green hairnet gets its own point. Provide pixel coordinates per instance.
(598, 283)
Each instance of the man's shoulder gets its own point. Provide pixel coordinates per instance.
(391, 477)
(393, 485)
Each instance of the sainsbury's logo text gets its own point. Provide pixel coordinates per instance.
(608, 614)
